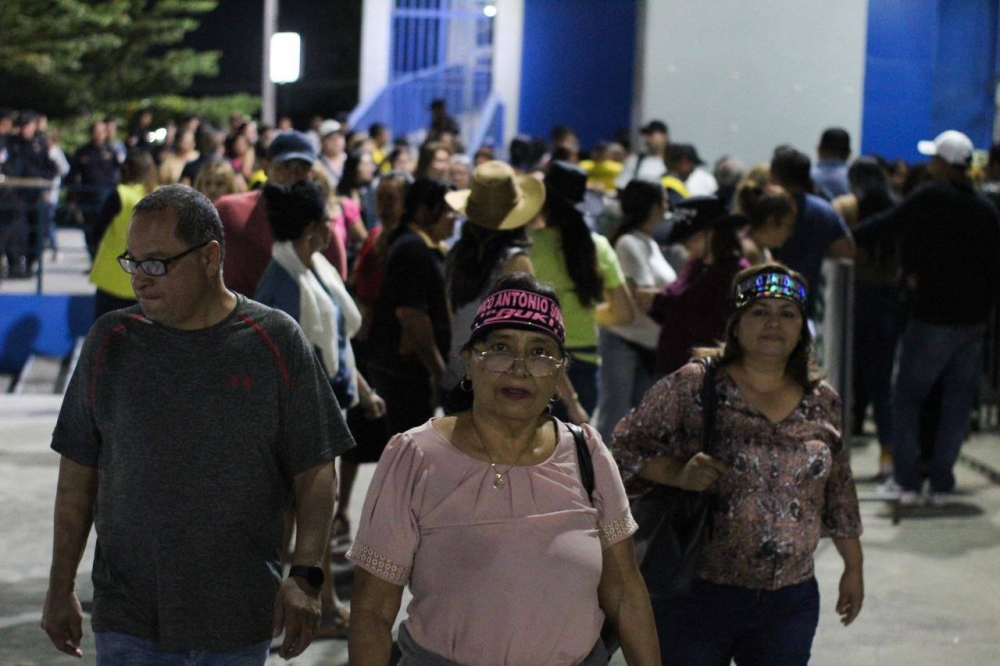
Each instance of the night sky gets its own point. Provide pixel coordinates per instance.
(331, 37)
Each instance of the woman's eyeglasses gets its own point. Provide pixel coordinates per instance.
(153, 267)
(540, 365)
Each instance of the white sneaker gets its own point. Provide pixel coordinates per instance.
(939, 499)
(888, 490)
(909, 498)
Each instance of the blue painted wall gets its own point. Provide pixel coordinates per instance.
(47, 325)
(577, 67)
(930, 66)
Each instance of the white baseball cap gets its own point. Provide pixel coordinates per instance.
(328, 127)
(951, 146)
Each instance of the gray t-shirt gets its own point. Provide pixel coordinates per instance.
(197, 436)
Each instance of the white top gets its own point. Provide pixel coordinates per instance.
(643, 263)
(701, 183)
(652, 169)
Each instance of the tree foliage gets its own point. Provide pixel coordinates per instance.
(65, 56)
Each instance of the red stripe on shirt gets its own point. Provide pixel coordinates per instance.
(120, 328)
(270, 345)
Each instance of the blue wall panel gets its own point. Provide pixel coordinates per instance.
(930, 67)
(899, 77)
(47, 325)
(966, 62)
(577, 67)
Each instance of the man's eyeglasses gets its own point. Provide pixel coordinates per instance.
(537, 366)
(154, 267)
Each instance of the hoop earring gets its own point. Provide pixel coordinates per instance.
(465, 384)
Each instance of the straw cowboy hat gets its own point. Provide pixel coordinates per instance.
(499, 200)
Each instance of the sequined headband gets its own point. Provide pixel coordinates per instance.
(770, 285)
(521, 309)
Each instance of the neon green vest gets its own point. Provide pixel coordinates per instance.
(106, 273)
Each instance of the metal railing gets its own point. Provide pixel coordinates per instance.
(440, 49)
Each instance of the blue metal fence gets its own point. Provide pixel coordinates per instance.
(441, 49)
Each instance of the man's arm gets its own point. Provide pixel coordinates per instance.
(62, 618)
(297, 608)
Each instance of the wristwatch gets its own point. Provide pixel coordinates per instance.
(313, 575)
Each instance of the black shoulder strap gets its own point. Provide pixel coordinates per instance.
(708, 406)
(583, 459)
(638, 165)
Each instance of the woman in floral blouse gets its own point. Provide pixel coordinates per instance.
(780, 474)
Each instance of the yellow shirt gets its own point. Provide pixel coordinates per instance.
(601, 175)
(106, 273)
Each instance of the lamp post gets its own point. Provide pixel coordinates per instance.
(267, 90)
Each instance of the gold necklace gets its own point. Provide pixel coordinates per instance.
(498, 480)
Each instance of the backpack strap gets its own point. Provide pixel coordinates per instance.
(583, 459)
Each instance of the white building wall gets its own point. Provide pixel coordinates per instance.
(739, 78)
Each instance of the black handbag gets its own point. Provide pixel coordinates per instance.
(673, 522)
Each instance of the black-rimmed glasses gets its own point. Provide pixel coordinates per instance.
(540, 365)
(154, 267)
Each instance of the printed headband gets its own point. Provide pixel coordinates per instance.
(770, 285)
(521, 309)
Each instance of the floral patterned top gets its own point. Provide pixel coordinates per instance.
(788, 483)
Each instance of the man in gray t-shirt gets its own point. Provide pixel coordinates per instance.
(191, 423)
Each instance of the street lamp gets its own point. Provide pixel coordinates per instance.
(286, 57)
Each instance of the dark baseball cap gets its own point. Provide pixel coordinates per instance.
(702, 212)
(654, 126)
(292, 145)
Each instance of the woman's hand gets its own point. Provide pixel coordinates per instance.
(644, 298)
(575, 411)
(852, 595)
(701, 471)
(374, 406)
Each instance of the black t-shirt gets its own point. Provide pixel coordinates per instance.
(197, 436)
(413, 278)
(949, 236)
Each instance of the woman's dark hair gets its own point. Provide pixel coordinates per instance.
(637, 200)
(139, 167)
(870, 186)
(292, 208)
(801, 364)
(475, 258)
(426, 157)
(459, 399)
(423, 193)
(725, 241)
(579, 251)
(763, 202)
(350, 180)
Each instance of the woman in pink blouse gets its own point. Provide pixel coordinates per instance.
(485, 516)
(780, 475)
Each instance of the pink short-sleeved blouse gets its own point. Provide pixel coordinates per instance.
(504, 576)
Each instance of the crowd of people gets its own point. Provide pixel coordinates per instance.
(465, 314)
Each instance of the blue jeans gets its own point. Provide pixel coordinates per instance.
(718, 623)
(625, 378)
(114, 649)
(877, 321)
(928, 353)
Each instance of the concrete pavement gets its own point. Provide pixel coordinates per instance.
(933, 580)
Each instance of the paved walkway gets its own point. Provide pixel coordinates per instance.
(933, 580)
